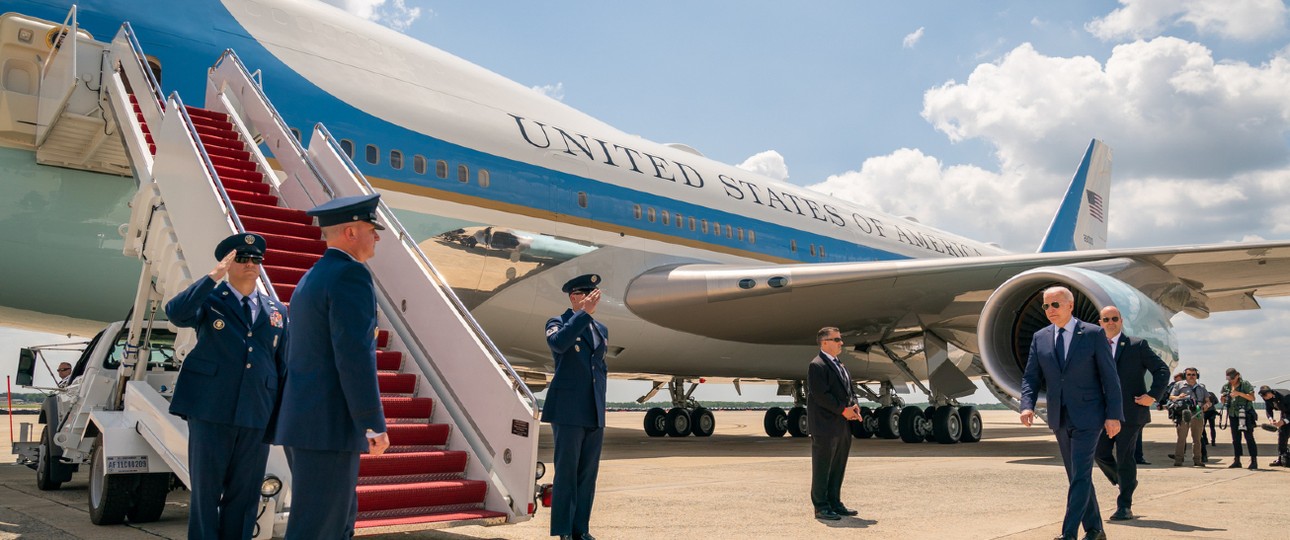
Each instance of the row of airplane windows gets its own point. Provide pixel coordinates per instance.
(420, 165)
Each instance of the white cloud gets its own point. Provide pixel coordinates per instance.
(912, 38)
(392, 13)
(553, 91)
(768, 163)
(1230, 19)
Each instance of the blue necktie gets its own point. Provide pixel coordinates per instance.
(246, 309)
(1061, 348)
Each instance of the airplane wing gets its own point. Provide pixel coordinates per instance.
(877, 300)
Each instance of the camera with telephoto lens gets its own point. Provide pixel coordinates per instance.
(1182, 410)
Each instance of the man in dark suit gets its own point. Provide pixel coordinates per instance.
(1071, 360)
(1134, 359)
(830, 404)
(575, 406)
(331, 405)
(228, 387)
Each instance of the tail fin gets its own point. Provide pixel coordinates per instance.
(1080, 223)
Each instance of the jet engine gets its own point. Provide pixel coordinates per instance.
(1012, 315)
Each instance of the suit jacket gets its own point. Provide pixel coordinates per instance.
(1133, 360)
(827, 396)
(332, 396)
(1089, 387)
(576, 395)
(233, 374)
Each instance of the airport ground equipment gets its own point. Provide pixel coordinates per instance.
(462, 424)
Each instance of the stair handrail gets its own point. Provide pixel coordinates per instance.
(140, 61)
(518, 384)
(300, 153)
(212, 176)
(64, 33)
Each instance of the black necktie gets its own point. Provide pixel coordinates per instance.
(1061, 348)
(246, 309)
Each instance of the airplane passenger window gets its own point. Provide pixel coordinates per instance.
(821, 251)
(483, 178)
(716, 228)
(792, 246)
(582, 199)
(730, 233)
(812, 250)
(463, 174)
(652, 215)
(347, 146)
(636, 211)
(740, 231)
(667, 218)
(680, 223)
(396, 160)
(692, 223)
(441, 169)
(704, 226)
(419, 164)
(373, 154)
(752, 237)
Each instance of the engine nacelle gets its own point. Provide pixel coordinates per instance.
(1012, 315)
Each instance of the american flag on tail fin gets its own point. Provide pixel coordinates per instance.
(1095, 205)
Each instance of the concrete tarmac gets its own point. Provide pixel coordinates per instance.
(741, 484)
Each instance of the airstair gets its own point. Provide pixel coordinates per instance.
(463, 426)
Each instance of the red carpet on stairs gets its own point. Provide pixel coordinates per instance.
(418, 481)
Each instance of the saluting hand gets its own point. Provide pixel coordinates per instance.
(377, 445)
(221, 269)
(589, 302)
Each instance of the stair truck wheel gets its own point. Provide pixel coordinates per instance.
(111, 496)
(150, 497)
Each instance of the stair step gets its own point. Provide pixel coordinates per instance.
(226, 152)
(418, 434)
(206, 113)
(420, 495)
(388, 525)
(206, 123)
(291, 243)
(256, 186)
(397, 383)
(278, 213)
(249, 197)
(382, 339)
(412, 463)
(401, 407)
(217, 140)
(272, 226)
(389, 360)
(285, 275)
(290, 259)
(236, 164)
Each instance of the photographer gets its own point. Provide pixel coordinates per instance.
(1186, 401)
(1279, 400)
(1211, 415)
(1238, 395)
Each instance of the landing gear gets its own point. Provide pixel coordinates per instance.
(971, 420)
(685, 417)
(798, 425)
(888, 420)
(914, 425)
(946, 426)
(776, 422)
(867, 426)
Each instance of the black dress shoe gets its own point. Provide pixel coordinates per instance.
(566, 537)
(1063, 537)
(587, 536)
(1143, 462)
(827, 514)
(1095, 535)
(844, 511)
(1123, 514)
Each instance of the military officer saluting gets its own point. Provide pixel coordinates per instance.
(228, 387)
(575, 406)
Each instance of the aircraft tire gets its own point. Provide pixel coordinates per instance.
(797, 423)
(867, 426)
(775, 422)
(150, 497)
(656, 422)
(972, 426)
(703, 423)
(912, 425)
(947, 427)
(888, 419)
(930, 414)
(678, 422)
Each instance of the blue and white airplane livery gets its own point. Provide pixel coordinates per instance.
(710, 271)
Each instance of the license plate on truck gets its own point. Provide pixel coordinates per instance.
(127, 464)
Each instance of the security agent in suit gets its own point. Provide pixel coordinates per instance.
(228, 387)
(830, 404)
(1071, 360)
(1278, 400)
(575, 406)
(331, 405)
(1134, 359)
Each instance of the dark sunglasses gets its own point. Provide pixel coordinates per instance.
(1193, 374)
(1053, 305)
(62, 369)
(243, 259)
(1110, 319)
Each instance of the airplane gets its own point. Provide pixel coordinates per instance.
(710, 272)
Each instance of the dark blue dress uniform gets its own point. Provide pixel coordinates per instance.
(332, 397)
(575, 407)
(227, 390)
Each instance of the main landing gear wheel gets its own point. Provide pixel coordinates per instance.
(946, 426)
(914, 426)
(775, 422)
(702, 422)
(656, 422)
(867, 426)
(929, 413)
(971, 420)
(888, 419)
(678, 422)
(797, 423)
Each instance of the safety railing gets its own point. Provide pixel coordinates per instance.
(138, 75)
(58, 78)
